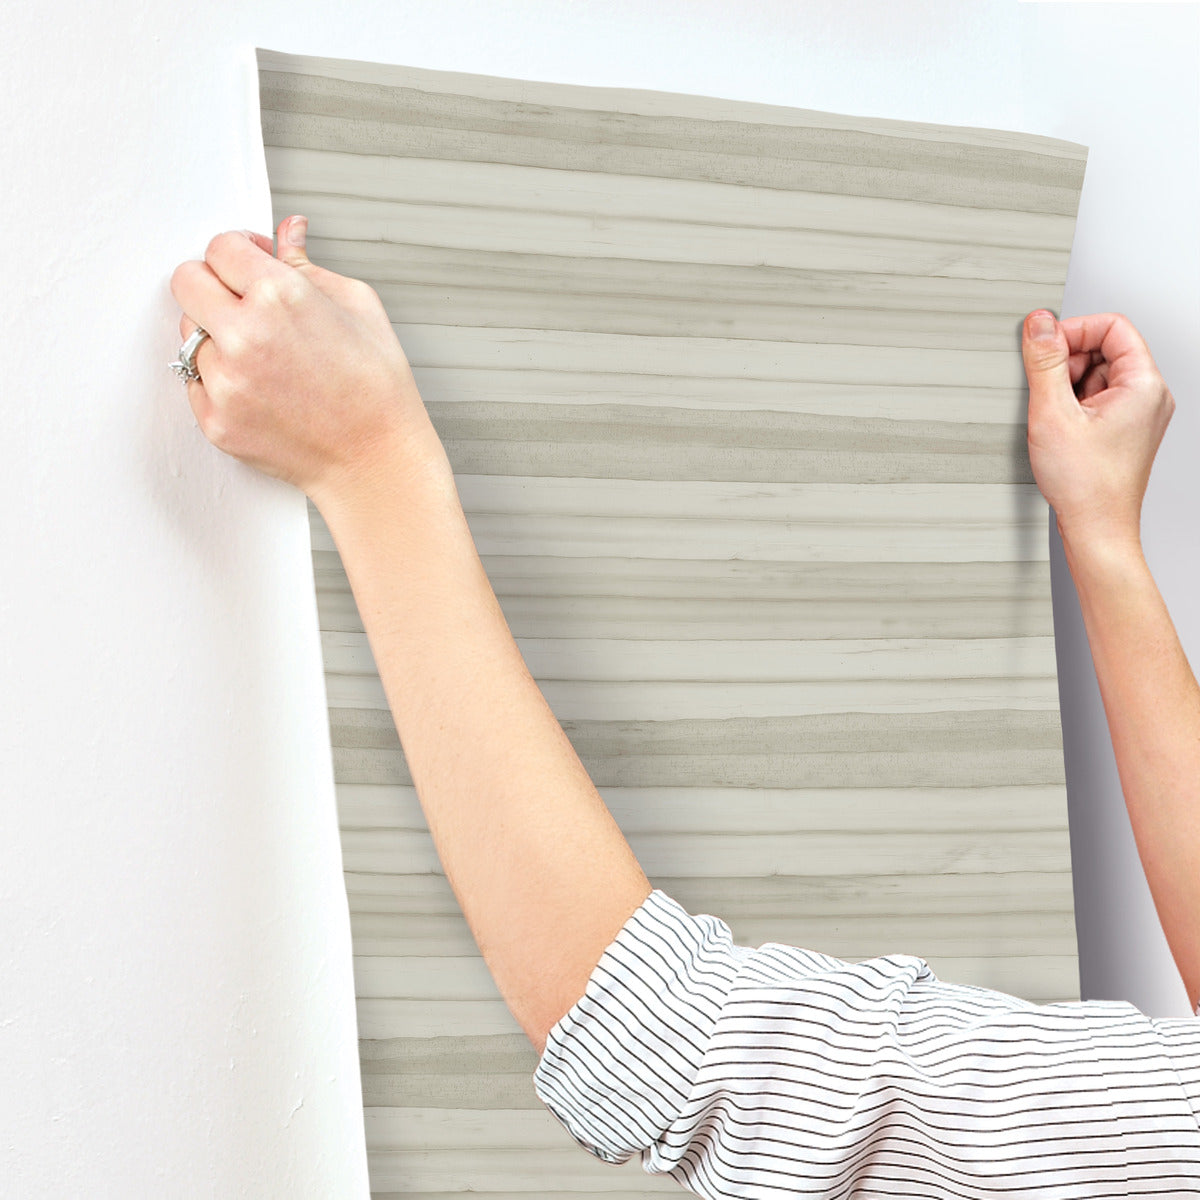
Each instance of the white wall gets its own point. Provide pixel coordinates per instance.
(176, 1003)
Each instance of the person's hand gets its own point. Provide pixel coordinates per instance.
(1098, 409)
(302, 374)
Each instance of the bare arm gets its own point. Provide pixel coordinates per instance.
(1098, 409)
(543, 874)
(1152, 703)
(303, 378)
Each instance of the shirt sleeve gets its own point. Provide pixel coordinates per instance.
(777, 1070)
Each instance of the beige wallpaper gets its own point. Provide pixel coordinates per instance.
(734, 398)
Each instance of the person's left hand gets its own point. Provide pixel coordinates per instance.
(302, 374)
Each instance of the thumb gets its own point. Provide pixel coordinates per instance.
(291, 238)
(1047, 355)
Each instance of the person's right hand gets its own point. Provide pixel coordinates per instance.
(302, 375)
(1098, 409)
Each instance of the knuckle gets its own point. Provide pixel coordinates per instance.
(1042, 355)
(234, 343)
(180, 276)
(370, 301)
(223, 420)
(216, 242)
(259, 291)
(278, 290)
(207, 407)
(291, 288)
(1149, 383)
(265, 291)
(214, 428)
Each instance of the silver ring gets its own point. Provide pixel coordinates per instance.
(185, 365)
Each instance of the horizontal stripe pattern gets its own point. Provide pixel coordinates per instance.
(733, 398)
(776, 1070)
(381, 118)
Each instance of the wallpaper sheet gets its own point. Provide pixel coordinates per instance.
(734, 399)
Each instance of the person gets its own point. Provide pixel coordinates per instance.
(739, 1071)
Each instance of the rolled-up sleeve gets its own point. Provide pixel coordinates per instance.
(778, 1070)
(620, 1065)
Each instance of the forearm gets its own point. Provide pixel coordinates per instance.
(1152, 703)
(542, 872)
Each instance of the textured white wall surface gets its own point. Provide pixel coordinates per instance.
(176, 1000)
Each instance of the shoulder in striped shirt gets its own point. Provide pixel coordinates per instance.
(774, 1070)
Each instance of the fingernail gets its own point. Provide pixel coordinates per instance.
(1041, 324)
(296, 228)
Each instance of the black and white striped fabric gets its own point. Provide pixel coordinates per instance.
(778, 1071)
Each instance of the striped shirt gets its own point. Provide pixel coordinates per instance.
(777, 1071)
